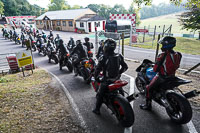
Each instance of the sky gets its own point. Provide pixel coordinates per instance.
(84, 3)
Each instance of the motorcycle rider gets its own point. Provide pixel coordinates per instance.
(62, 52)
(50, 34)
(166, 65)
(81, 52)
(50, 47)
(15, 35)
(40, 41)
(56, 40)
(110, 63)
(88, 44)
(71, 44)
(100, 49)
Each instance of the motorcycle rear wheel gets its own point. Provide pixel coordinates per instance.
(69, 65)
(139, 86)
(182, 111)
(124, 111)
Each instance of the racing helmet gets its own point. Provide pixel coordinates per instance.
(109, 45)
(167, 42)
(87, 39)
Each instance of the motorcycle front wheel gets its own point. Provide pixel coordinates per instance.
(182, 111)
(69, 65)
(124, 111)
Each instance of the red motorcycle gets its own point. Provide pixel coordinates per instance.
(115, 100)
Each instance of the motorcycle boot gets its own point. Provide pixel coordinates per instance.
(147, 105)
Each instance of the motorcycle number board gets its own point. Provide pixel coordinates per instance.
(24, 58)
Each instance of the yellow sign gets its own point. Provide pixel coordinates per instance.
(23, 55)
(24, 58)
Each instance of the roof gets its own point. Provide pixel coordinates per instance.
(91, 18)
(65, 14)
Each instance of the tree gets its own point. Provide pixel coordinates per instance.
(76, 7)
(189, 3)
(1, 7)
(190, 20)
(58, 5)
(133, 10)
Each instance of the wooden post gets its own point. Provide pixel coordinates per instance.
(123, 43)
(192, 68)
(23, 71)
(144, 34)
(163, 31)
(157, 49)
(154, 34)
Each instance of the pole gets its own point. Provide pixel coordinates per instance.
(131, 32)
(96, 42)
(122, 43)
(163, 31)
(23, 71)
(157, 49)
(144, 34)
(31, 53)
(119, 42)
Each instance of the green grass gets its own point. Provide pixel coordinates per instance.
(166, 20)
(184, 45)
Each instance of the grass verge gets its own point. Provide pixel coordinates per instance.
(34, 104)
(184, 45)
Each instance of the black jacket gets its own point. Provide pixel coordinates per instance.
(102, 66)
(62, 49)
(80, 50)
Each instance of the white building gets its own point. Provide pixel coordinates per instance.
(89, 22)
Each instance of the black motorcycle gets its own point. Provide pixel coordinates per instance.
(116, 101)
(167, 94)
(52, 54)
(66, 62)
(82, 68)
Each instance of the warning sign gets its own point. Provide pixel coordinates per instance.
(24, 58)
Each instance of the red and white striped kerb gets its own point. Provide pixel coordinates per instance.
(131, 17)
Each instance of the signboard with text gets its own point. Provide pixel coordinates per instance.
(24, 58)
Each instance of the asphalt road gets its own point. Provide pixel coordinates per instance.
(155, 121)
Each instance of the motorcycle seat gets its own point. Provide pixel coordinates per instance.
(117, 84)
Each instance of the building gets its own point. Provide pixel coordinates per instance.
(89, 22)
(65, 20)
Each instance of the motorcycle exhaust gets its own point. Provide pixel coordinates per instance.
(192, 94)
(132, 97)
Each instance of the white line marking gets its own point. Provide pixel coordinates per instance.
(71, 100)
(191, 127)
(131, 91)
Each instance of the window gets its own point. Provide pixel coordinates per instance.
(37, 23)
(40, 22)
(81, 24)
(58, 23)
(70, 23)
(64, 23)
(97, 24)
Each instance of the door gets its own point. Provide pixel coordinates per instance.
(89, 26)
(104, 25)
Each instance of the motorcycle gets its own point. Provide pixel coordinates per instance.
(67, 62)
(42, 49)
(115, 100)
(52, 54)
(83, 68)
(167, 94)
(18, 40)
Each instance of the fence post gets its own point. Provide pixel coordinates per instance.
(144, 34)
(157, 49)
(154, 34)
(122, 43)
(163, 31)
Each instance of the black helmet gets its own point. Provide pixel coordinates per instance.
(167, 42)
(78, 42)
(87, 39)
(109, 46)
(61, 41)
